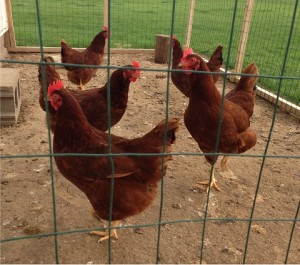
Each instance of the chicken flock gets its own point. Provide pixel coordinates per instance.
(113, 165)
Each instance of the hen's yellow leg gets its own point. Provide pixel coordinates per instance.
(224, 163)
(105, 234)
(81, 86)
(212, 184)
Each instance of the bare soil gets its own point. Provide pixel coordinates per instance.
(27, 196)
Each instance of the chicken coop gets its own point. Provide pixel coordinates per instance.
(250, 216)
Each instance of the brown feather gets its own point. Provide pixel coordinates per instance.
(94, 101)
(135, 177)
(203, 113)
(92, 55)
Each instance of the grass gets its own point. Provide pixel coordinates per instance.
(134, 24)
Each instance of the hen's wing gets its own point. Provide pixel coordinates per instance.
(70, 55)
(122, 165)
(150, 143)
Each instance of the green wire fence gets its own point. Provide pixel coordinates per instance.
(134, 25)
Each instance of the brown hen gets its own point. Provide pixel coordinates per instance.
(135, 176)
(92, 55)
(94, 101)
(180, 79)
(203, 113)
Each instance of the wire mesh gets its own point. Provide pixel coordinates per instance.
(125, 32)
(272, 21)
(78, 29)
(137, 22)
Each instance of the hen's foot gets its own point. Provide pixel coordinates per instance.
(81, 86)
(105, 234)
(213, 184)
(224, 163)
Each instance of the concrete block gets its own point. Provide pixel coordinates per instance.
(10, 96)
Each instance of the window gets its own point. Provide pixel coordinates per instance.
(3, 18)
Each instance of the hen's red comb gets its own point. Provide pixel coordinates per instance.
(187, 52)
(56, 85)
(135, 64)
(173, 37)
(105, 28)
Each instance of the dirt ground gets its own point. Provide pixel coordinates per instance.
(26, 187)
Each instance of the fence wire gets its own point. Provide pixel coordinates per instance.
(135, 24)
(43, 27)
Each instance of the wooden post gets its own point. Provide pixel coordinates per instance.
(190, 24)
(9, 37)
(162, 48)
(105, 19)
(243, 39)
(105, 11)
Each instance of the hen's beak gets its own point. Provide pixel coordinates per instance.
(185, 66)
(182, 63)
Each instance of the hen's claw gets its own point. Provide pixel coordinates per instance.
(224, 163)
(105, 234)
(81, 86)
(213, 184)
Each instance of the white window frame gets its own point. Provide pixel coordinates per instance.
(3, 18)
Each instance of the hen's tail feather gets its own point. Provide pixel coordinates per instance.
(64, 47)
(215, 62)
(50, 71)
(63, 43)
(50, 74)
(216, 58)
(248, 83)
(245, 91)
(49, 59)
(156, 135)
(155, 143)
(177, 53)
(152, 142)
